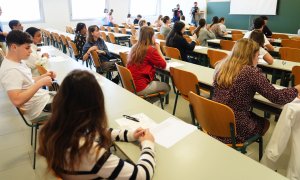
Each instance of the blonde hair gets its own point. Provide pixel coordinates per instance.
(139, 50)
(242, 54)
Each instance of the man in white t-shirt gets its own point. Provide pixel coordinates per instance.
(259, 25)
(23, 90)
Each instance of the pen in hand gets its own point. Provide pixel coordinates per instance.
(131, 118)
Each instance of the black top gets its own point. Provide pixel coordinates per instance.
(176, 15)
(135, 21)
(267, 31)
(79, 41)
(182, 45)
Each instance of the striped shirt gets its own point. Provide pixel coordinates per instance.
(109, 166)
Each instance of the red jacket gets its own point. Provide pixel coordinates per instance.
(144, 73)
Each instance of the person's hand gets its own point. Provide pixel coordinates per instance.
(45, 81)
(138, 133)
(45, 55)
(93, 48)
(225, 33)
(51, 74)
(194, 37)
(147, 136)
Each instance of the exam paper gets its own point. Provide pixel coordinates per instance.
(173, 64)
(170, 131)
(145, 122)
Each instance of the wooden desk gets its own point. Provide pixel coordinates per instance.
(197, 156)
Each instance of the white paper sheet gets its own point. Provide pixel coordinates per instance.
(145, 122)
(173, 64)
(261, 61)
(170, 131)
(200, 47)
(57, 59)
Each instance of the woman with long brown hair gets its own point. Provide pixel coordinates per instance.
(145, 56)
(75, 140)
(237, 80)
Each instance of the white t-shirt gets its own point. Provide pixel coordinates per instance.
(14, 76)
(128, 21)
(262, 53)
(247, 35)
(222, 27)
(31, 60)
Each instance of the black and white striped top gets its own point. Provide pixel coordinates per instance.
(110, 166)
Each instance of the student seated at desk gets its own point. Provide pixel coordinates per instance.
(258, 24)
(80, 38)
(158, 22)
(204, 33)
(142, 23)
(236, 81)
(165, 28)
(23, 90)
(15, 25)
(128, 19)
(258, 37)
(35, 56)
(215, 28)
(137, 19)
(143, 59)
(266, 29)
(222, 24)
(95, 43)
(176, 39)
(83, 151)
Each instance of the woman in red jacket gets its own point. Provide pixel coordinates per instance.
(145, 56)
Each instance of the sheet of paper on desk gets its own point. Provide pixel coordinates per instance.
(57, 59)
(200, 47)
(261, 61)
(173, 64)
(145, 122)
(170, 131)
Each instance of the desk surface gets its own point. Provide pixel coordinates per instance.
(197, 156)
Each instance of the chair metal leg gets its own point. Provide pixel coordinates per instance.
(161, 102)
(260, 148)
(175, 103)
(34, 148)
(31, 138)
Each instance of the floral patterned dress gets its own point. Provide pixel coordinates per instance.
(240, 96)
(79, 42)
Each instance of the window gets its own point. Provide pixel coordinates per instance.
(24, 11)
(87, 9)
(145, 8)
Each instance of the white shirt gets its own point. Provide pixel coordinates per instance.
(128, 21)
(287, 129)
(247, 35)
(222, 27)
(17, 76)
(262, 53)
(31, 60)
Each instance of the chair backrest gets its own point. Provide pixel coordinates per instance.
(123, 30)
(184, 81)
(126, 78)
(74, 48)
(192, 29)
(296, 38)
(116, 29)
(126, 26)
(64, 40)
(280, 36)
(102, 28)
(226, 44)
(69, 29)
(290, 43)
(95, 58)
(236, 32)
(296, 74)
(104, 37)
(236, 37)
(116, 25)
(112, 38)
(68, 38)
(162, 44)
(172, 52)
(290, 54)
(160, 36)
(215, 56)
(133, 32)
(108, 29)
(133, 41)
(124, 57)
(214, 118)
(41, 69)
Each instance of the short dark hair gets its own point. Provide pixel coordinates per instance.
(18, 37)
(221, 19)
(141, 22)
(79, 27)
(140, 16)
(182, 17)
(258, 23)
(13, 23)
(264, 17)
(165, 19)
(32, 30)
(128, 15)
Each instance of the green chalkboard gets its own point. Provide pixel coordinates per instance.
(286, 20)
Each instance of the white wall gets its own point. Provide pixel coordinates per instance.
(57, 13)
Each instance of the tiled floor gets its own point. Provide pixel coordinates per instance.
(16, 152)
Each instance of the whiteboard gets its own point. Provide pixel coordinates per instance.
(253, 7)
